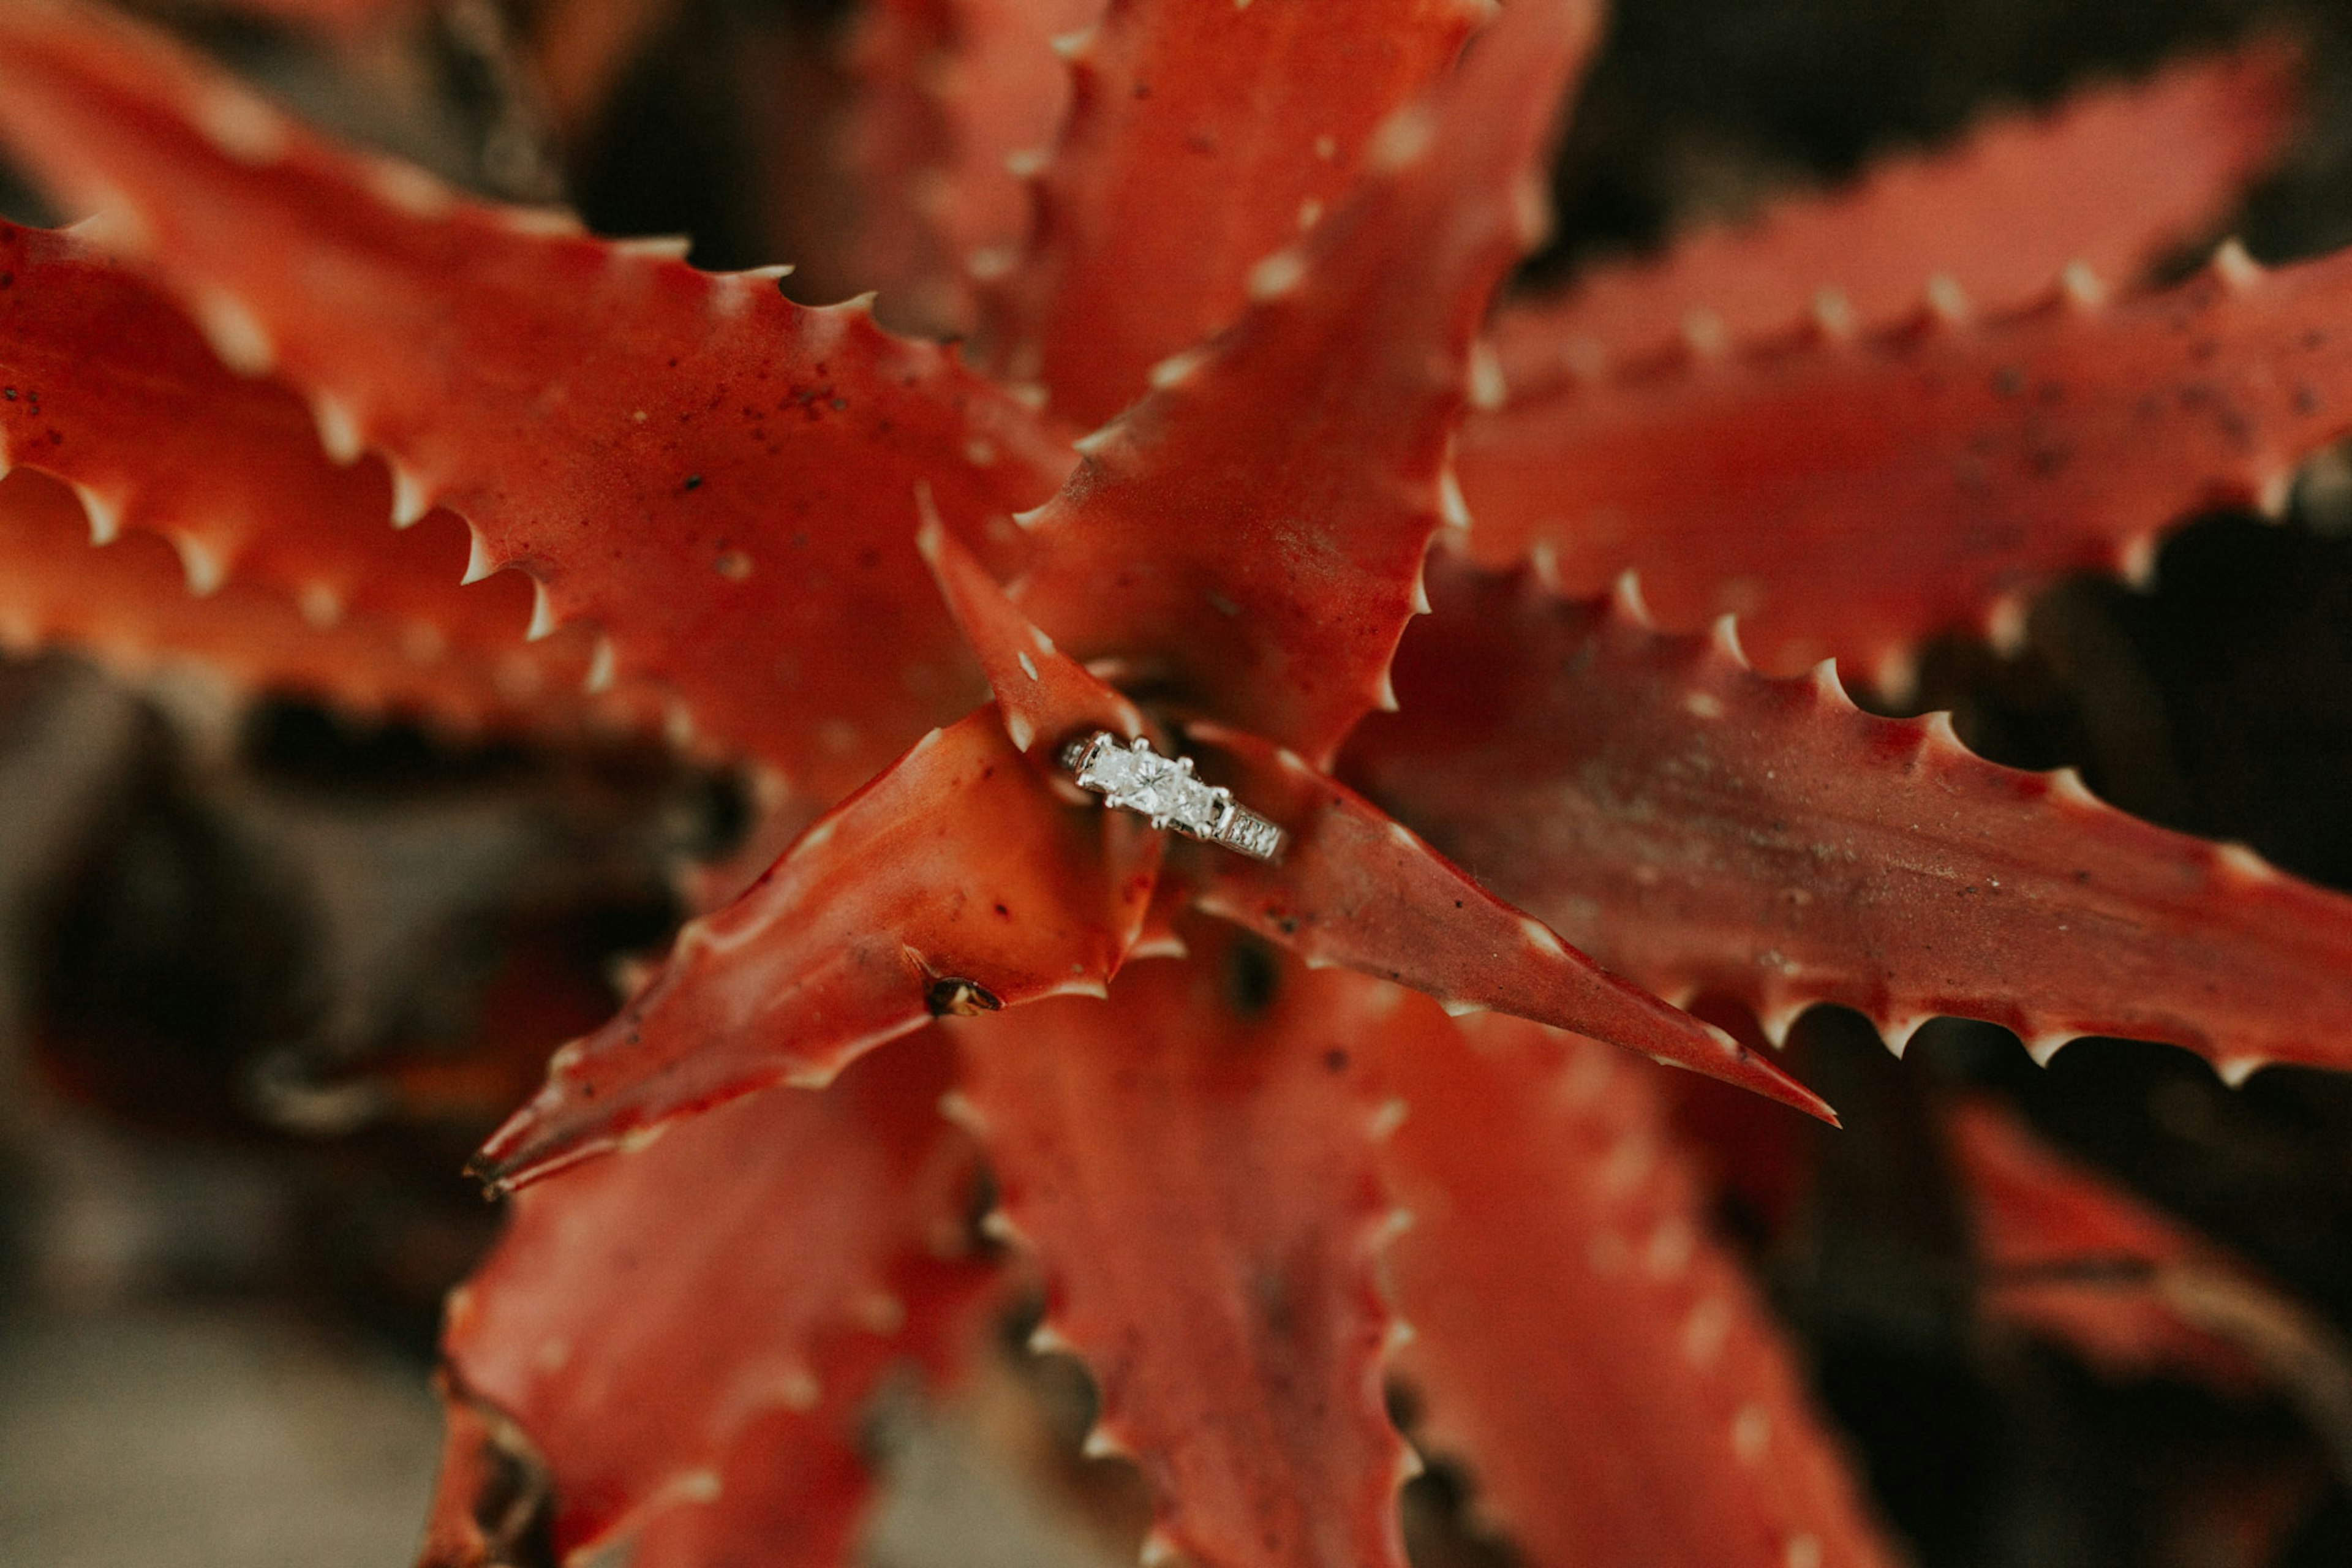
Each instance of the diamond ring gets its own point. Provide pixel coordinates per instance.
(1137, 778)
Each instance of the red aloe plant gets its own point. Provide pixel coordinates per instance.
(1232, 469)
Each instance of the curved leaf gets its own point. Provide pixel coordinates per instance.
(955, 882)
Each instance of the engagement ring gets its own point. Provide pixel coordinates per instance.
(1136, 778)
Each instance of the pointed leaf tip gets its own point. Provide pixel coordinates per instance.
(1046, 697)
(954, 881)
(1355, 887)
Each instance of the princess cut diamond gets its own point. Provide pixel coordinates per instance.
(1136, 778)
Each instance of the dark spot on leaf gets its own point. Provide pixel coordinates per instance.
(1276, 1306)
(949, 996)
(1251, 978)
(1335, 1060)
(694, 481)
(2008, 380)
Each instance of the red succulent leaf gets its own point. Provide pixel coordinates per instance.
(1356, 888)
(654, 1365)
(1698, 827)
(791, 1487)
(1191, 1162)
(129, 605)
(953, 883)
(788, 1496)
(110, 390)
(1248, 539)
(788, 1489)
(2069, 1254)
(2109, 180)
(1849, 498)
(608, 417)
(951, 91)
(1045, 697)
(1202, 139)
(1620, 1391)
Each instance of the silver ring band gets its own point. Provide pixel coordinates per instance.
(1134, 777)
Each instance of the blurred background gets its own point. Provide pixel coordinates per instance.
(266, 974)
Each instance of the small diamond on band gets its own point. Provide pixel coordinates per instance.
(1136, 778)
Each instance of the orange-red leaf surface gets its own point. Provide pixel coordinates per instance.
(1849, 499)
(1614, 1381)
(949, 92)
(1355, 887)
(714, 1370)
(1247, 539)
(714, 475)
(2110, 179)
(128, 604)
(791, 1488)
(1698, 827)
(111, 391)
(955, 882)
(1202, 139)
(1191, 1162)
